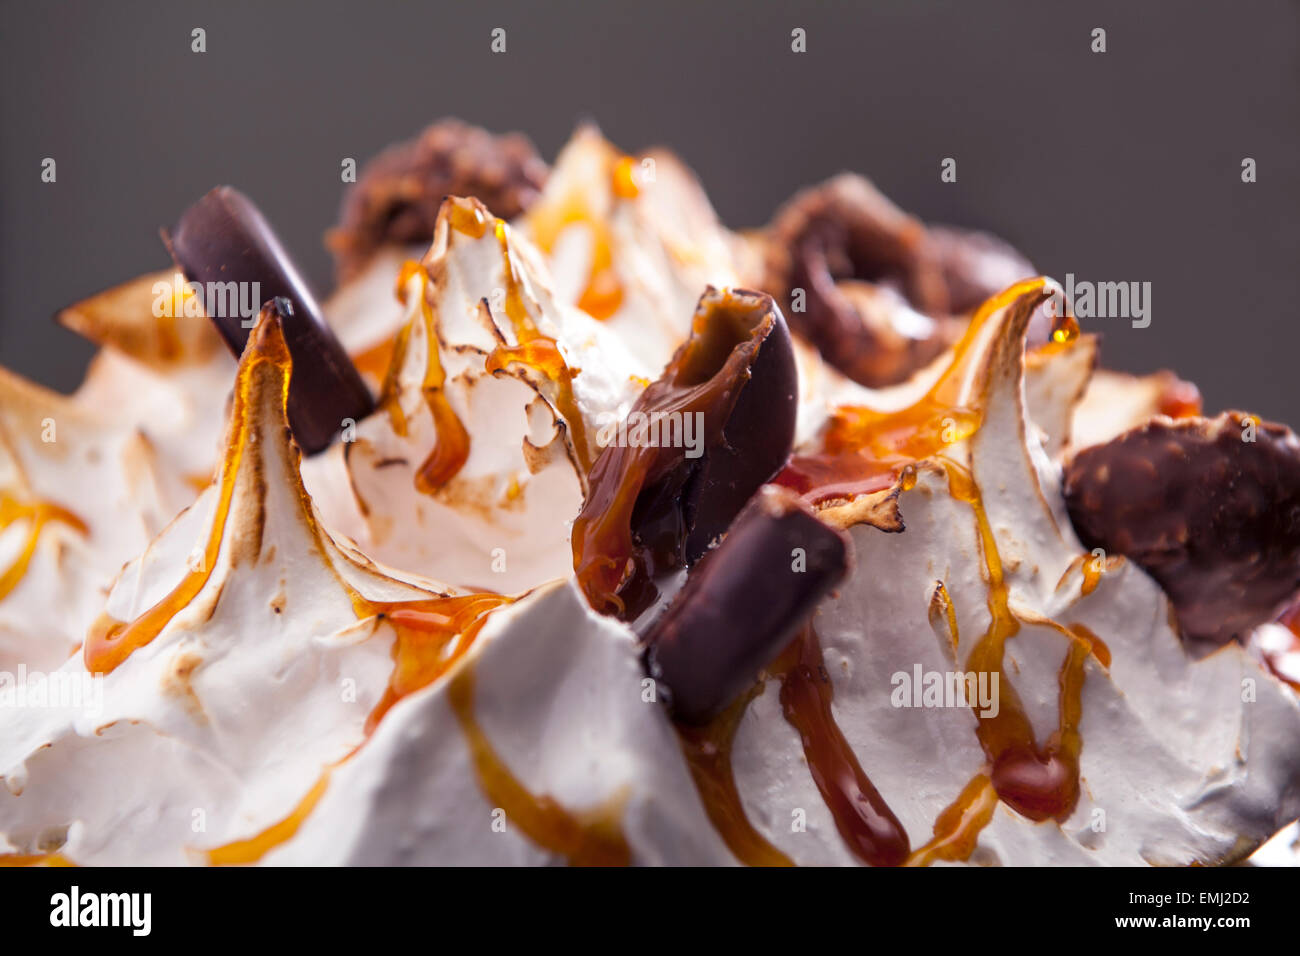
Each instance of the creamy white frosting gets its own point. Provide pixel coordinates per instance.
(250, 707)
(113, 490)
(1165, 738)
(502, 521)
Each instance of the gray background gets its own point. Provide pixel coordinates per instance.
(1120, 166)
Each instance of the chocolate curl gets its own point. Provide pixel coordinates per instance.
(744, 602)
(397, 197)
(655, 510)
(1213, 516)
(224, 239)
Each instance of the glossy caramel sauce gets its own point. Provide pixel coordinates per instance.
(957, 829)
(588, 838)
(602, 296)
(705, 376)
(111, 641)
(942, 614)
(1039, 782)
(431, 637)
(708, 754)
(863, 451)
(243, 852)
(540, 352)
(374, 362)
(1092, 572)
(36, 514)
(451, 447)
(865, 822)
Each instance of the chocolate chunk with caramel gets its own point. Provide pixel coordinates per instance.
(726, 402)
(397, 196)
(743, 603)
(1210, 508)
(224, 243)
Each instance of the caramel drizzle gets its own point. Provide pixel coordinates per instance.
(708, 755)
(1092, 572)
(374, 361)
(865, 450)
(865, 822)
(111, 641)
(424, 650)
(37, 514)
(587, 838)
(533, 349)
(422, 653)
(957, 828)
(425, 629)
(540, 352)
(602, 296)
(1039, 782)
(432, 635)
(451, 445)
(252, 849)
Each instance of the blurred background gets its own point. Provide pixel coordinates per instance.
(1122, 166)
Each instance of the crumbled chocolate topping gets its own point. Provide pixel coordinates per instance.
(834, 241)
(397, 196)
(1213, 516)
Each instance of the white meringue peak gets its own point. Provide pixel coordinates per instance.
(1114, 744)
(632, 241)
(261, 699)
(476, 462)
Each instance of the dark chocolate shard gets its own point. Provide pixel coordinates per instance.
(223, 242)
(1210, 508)
(397, 196)
(744, 602)
(732, 388)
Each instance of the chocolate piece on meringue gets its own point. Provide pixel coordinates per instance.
(223, 238)
(654, 510)
(714, 638)
(845, 230)
(397, 198)
(977, 266)
(1210, 508)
